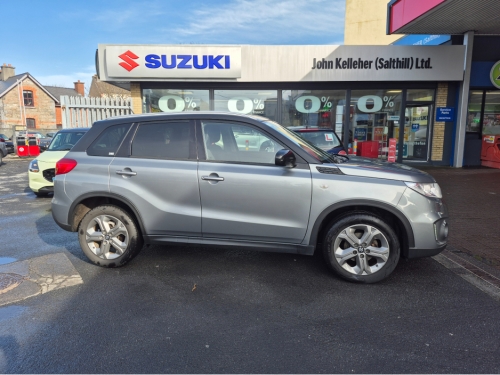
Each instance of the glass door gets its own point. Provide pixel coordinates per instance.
(416, 132)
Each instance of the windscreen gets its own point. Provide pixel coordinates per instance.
(311, 149)
(322, 139)
(64, 141)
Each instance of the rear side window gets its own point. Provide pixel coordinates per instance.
(164, 140)
(107, 143)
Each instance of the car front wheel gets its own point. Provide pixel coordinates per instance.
(361, 247)
(109, 236)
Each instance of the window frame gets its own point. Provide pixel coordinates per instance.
(193, 149)
(87, 150)
(30, 120)
(201, 141)
(30, 92)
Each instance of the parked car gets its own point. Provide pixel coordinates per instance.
(325, 139)
(173, 178)
(42, 169)
(3, 151)
(9, 145)
(44, 143)
(50, 134)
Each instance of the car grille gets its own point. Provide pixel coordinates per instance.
(49, 174)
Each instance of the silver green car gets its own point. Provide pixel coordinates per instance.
(203, 178)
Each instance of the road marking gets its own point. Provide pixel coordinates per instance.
(28, 278)
(481, 279)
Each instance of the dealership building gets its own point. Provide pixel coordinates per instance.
(392, 90)
(436, 102)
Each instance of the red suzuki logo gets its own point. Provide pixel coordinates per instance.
(129, 64)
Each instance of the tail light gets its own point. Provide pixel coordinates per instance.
(2, 140)
(65, 165)
(342, 152)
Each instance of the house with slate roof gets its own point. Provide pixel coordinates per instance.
(102, 89)
(23, 97)
(57, 92)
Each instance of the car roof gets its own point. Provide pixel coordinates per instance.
(142, 117)
(73, 130)
(303, 129)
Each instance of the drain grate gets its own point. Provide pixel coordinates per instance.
(9, 281)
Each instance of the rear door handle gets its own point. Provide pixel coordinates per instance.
(126, 173)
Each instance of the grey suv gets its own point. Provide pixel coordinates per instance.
(189, 178)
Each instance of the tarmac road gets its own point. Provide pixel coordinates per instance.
(200, 310)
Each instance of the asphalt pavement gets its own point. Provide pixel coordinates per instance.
(211, 310)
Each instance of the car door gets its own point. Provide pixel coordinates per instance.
(160, 178)
(244, 195)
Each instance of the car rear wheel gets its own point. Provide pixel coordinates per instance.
(109, 236)
(361, 247)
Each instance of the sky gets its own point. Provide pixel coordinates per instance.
(55, 41)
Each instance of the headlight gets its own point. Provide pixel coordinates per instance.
(428, 189)
(34, 166)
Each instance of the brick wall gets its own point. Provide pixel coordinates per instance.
(43, 110)
(135, 93)
(438, 132)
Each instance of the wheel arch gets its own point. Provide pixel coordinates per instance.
(87, 202)
(380, 209)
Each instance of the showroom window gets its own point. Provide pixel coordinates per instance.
(249, 102)
(313, 108)
(170, 100)
(374, 120)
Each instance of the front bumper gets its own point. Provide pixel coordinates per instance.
(422, 253)
(38, 183)
(428, 218)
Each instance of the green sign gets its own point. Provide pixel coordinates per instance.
(495, 75)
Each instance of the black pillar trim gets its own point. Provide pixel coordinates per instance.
(347, 119)
(402, 122)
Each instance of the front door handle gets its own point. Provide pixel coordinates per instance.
(126, 173)
(212, 177)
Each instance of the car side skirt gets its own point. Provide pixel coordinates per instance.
(220, 242)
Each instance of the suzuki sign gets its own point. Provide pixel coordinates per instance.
(171, 62)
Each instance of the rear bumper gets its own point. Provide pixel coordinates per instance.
(60, 205)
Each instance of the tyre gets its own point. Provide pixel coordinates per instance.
(361, 247)
(109, 236)
(40, 195)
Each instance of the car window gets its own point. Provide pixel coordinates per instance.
(107, 143)
(238, 143)
(64, 141)
(164, 140)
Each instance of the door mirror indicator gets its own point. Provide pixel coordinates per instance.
(285, 158)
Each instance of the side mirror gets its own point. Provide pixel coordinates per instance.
(285, 158)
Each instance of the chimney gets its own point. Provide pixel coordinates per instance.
(7, 72)
(80, 88)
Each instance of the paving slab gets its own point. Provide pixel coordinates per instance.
(28, 278)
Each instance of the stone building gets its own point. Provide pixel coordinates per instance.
(26, 103)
